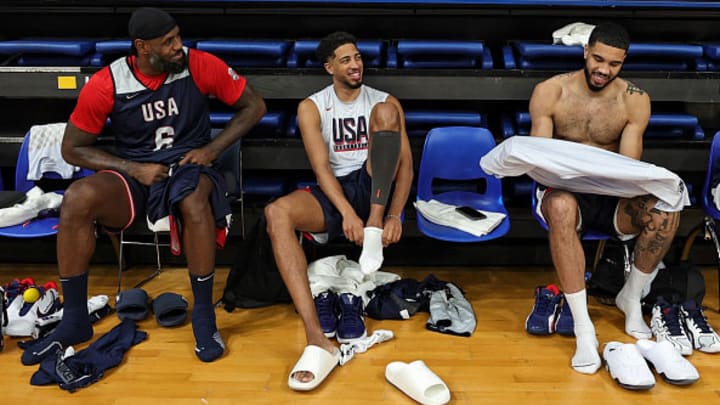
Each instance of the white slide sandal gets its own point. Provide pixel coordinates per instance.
(418, 382)
(668, 362)
(317, 361)
(627, 366)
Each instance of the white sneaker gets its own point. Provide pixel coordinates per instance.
(666, 325)
(702, 335)
(667, 362)
(22, 315)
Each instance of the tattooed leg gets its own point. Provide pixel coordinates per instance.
(656, 231)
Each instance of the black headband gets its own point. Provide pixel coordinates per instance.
(149, 23)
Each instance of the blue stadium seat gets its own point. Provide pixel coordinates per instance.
(641, 56)
(39, 227)
(264, 185)
(711, 54)
(302, 54)
(452, 154)
(439, 54)
(249, 52)
(419, 122)
(109, 50)
(271, 125)
(660, 126)
(49, 52)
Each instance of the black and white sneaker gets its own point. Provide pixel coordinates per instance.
(701, 334)
(666, 325)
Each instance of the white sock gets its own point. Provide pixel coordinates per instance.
(348, 350)
(586, 359)
(628, 301)
(371, 258)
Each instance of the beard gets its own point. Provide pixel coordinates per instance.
(168, 66)
(590, 84)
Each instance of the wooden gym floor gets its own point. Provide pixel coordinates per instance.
(499, 363)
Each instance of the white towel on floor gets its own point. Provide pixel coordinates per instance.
(583, 168)
(44, 154)
(445, 214)
(341, 275)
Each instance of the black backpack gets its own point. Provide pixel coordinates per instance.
(608, 278)
(677, 283)
(254, 280)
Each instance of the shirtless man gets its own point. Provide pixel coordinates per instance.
(595, 107)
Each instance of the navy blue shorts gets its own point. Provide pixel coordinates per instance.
(356, 187)
(597, 212)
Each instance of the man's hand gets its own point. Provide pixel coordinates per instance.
(149, 173)
(392, 230)
(200, 156)
(353, 228)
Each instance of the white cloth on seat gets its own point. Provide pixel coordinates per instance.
(445, 214)
(577, 33)
(341, 275)
(44, 152)
(36, 201)
(583, 168)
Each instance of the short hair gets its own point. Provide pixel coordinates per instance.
(327, 46)
(610, 34)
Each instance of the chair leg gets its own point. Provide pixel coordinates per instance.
(598, 254)
(121, 264)
(158, 269)
(711, 233)
(691, 240)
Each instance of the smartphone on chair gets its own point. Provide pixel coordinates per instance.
(471, 213)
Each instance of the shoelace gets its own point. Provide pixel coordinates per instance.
(324, 307)
(672, 320)
(699, 318)
(352, 314)
(543, 302)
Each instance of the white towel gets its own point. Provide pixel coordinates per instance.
(577, 33)
(35, 202)
(44, 154)
(445, 214)
(583, 168)
(341, 275)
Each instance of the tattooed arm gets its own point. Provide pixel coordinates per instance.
(638, 105)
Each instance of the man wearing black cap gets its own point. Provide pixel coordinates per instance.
(157, 102)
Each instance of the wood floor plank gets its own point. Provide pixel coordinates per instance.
(499, 363)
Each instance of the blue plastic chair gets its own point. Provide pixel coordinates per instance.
(712, 214)
(38, 227)
(453, 154)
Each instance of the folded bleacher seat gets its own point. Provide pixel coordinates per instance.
(303, 53)
(108, 50)
(439, 54)
(712, 56)
(248, 52)
(419, 122)
(264, 185)
(49, 52)
(271, 125)
(660, 126)
(641, 56)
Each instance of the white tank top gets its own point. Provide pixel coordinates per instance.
(346, 126)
